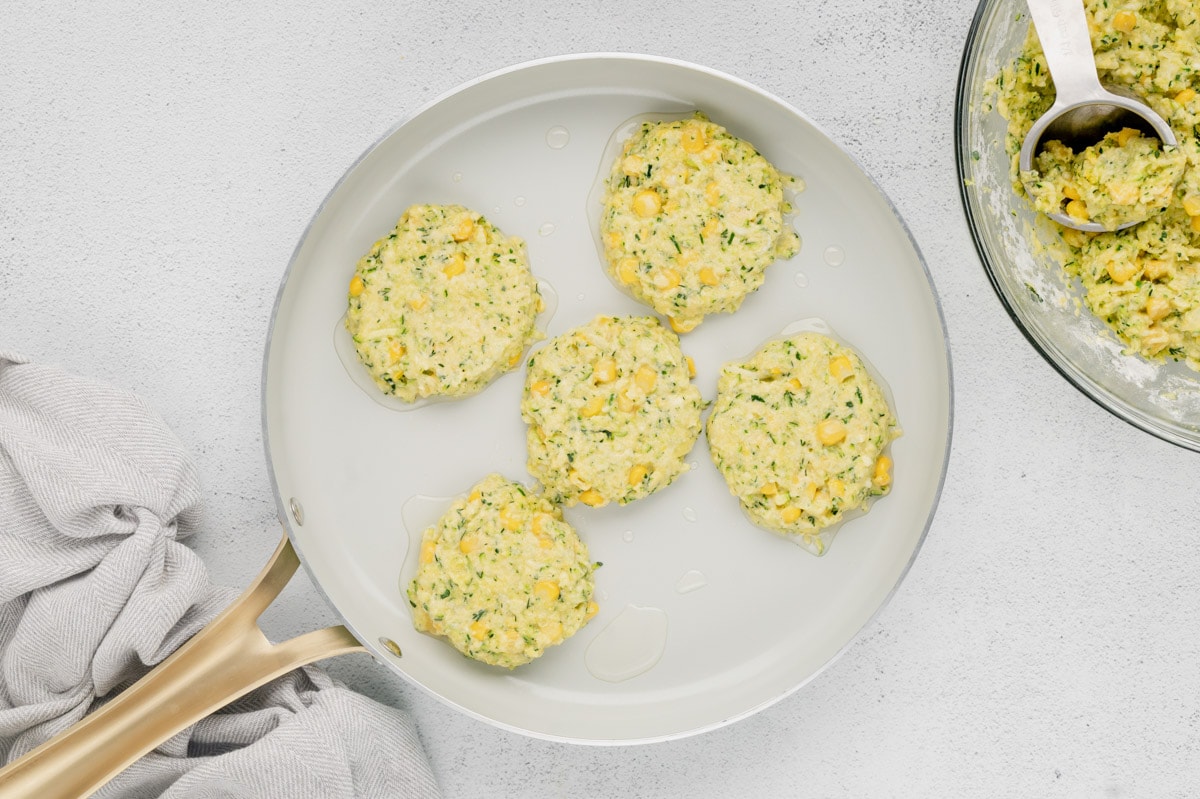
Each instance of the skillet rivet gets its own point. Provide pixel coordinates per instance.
(297, 511)
(391, 646)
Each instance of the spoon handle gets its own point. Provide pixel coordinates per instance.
(1063, 31)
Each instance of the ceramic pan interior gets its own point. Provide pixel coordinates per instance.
(733, 618)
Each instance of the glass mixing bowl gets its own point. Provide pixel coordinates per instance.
(1161, 398)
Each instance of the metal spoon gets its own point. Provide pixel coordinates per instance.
(1083, 110)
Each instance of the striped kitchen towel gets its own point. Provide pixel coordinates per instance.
(96, 587)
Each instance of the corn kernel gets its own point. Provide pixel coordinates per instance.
(646, 203)
(546, 589)
(1154, 269)
(830, 432)
(514, 360)
(789, 514)
(592, 610)
(418, 302)
(627, 271)
(840, 368)
(457, 265)
(1191, 204)
(475, 496)
(633, 165)
(591, 497)
(708, 277)
(478, 630)
(1120, 271)
(681, 326)
(1195, 224)
(667, 279)
(1124, 21)
(712, 195)
(794, 384)
(625, 404)
(553, 631)
(645, 378)
(467, 545)
(1126, 135)
(693, 138)
(545, 542)
(540, 521)
(592, 407)
(710, 228)
(356, 286)
(769, 490)
(464, 230)
(1077, 210)
(428, 548)
(541, 388)
(396, 351)
(883, 467)
(691, 365)
(1155, 339)
(1123, 193)
(510, 520)
(605, 370)
(1185, 97)
(836, 488)
(1070, 192)
(1157, 308)
(637, 474)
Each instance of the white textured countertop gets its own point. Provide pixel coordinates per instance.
(158, 165)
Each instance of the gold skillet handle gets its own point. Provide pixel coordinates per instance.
(227, 659)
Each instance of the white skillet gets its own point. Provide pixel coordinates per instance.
(726, 618)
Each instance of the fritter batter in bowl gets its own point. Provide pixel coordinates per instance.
(1144, 281)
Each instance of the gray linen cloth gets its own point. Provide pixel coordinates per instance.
(95, 588)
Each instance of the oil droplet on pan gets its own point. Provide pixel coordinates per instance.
(630, 645)
(557, 137)
(518, 201)
(628, 536)
(835, 256)
(691, 580)
(801, 279)
(456, 177)
(690, 514)
(546, 229)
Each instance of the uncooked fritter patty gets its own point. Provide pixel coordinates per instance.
(502, 576)
(442, 305)
(611, 411)
(692, 218)
(798, 431)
